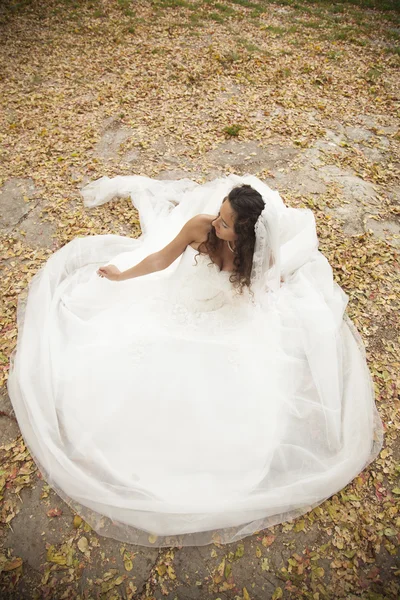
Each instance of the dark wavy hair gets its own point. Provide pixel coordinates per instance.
(248, 204)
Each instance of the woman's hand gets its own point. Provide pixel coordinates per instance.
(110, 271)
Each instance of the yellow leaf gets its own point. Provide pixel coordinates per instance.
(265, 564)
(170, 571)
(239, 551)
(128, 564)
(221, 567)
(77, 521)
(109, 574)
(277, 594)
(83, 544)
(86, 527)
(161, 570)
(152, 538)
(246, 594)
(12, 564)
(300, 526)
(55, 557)
(318, 572)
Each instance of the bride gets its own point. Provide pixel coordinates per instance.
(198, 383)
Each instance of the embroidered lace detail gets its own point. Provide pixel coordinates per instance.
(259, 251)
(265, 272)
(199, 297)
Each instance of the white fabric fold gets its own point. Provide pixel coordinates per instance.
(166, 409)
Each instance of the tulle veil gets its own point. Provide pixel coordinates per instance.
(314, 328)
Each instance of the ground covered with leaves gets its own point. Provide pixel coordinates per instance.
(304, 95)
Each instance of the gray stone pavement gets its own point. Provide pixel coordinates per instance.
(255, 567)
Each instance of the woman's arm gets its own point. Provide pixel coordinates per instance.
(195, 230)
(149, 264)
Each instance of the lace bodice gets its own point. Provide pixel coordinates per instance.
(200, 282)
(200, 296)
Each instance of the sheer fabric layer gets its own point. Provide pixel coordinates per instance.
(168, 410)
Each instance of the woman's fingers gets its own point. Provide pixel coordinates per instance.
(110, 271)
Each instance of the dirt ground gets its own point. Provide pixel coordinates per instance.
(304, 95)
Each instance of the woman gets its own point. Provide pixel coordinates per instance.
(206, 382)
(213, 236)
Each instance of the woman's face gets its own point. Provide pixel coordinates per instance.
(224, 223)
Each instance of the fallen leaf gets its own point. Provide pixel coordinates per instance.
(246, 594)
(77, 522)
(54, 512)
(268, 540)
(83, 546)
(265, 564)
(11, 564)
(152, 538)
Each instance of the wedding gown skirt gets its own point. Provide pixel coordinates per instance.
(167, 410)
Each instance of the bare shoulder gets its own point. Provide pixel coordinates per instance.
(193, 233)
(201, 226)
(203, 219)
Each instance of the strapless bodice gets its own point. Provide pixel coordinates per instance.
(199, 283)
(198, 295)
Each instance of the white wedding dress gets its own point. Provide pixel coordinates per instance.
(168, 410)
